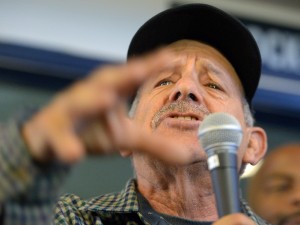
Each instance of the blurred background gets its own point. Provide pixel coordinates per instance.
(45, 45)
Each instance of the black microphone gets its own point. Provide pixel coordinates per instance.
(220, 135)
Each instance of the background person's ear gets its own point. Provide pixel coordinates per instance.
(257, 146)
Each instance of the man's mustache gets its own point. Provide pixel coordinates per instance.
(180, 106)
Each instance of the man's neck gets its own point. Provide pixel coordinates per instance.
(183, 192)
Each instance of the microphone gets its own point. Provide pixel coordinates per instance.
(220, 135)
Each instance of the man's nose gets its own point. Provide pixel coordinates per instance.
(186, 88)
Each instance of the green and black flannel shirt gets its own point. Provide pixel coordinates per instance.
(28, 191)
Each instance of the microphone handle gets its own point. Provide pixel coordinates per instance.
(225, 179)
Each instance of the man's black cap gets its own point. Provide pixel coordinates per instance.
(209, 25)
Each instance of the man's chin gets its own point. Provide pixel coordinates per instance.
(190, 159)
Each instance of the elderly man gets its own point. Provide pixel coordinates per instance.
(274, 191)
(210, 63)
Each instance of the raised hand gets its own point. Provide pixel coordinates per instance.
(90, 116)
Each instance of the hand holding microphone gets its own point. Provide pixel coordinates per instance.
(220, 136)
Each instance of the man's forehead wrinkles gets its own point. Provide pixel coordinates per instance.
(199, 56)
(211, 67)
(203, 62)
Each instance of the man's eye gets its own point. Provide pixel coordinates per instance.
(214, 86)
(164, 83)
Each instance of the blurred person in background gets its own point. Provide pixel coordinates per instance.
(274, 190)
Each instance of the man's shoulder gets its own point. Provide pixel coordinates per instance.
(101, 202)
(124, 201)
(112, 207)
(71, 200)
(71, 208)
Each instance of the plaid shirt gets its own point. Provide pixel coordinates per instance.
(28, 191)
(117, 208)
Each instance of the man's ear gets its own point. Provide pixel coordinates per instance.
(257, 146)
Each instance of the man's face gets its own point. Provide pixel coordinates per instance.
(173, 104)
(276, 191)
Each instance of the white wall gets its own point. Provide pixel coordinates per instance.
(95, 28)
(103, 28)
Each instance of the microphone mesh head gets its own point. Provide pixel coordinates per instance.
(220, 129)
